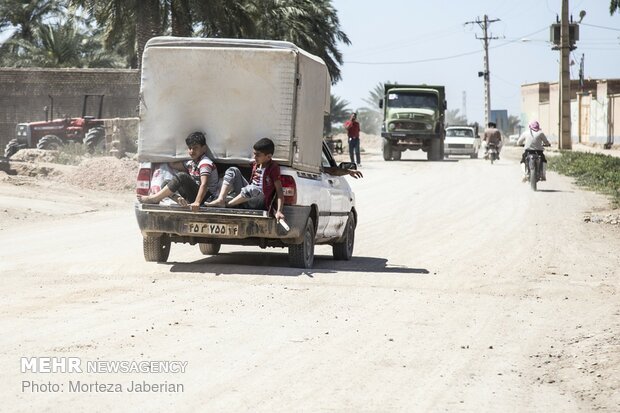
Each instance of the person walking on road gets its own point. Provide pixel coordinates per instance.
(353, 132)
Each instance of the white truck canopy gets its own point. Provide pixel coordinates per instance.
(235, 91)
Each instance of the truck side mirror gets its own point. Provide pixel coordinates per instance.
(347, 165)
(380, 103)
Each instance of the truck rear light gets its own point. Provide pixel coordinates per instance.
(144, 181)
(289, 188)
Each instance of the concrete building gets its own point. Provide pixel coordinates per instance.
(595, 110)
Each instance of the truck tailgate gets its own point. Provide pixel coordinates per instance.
(219, 223)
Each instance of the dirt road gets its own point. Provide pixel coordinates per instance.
(467, 292)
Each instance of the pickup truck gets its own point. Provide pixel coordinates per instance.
(237, 91)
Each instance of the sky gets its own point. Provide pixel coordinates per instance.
(384, 34)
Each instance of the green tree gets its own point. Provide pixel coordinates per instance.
(26, 16)
(513, 124)
(614, 6)
(312, 25)
(370, 120)
(371, 116)
(453, 117)
(66, 43)
(128, 24)
(338, 113)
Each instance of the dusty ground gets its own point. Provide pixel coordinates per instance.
(467, 292)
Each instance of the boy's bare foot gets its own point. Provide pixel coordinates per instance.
(216, 203)
(180, 200)
(146, 199)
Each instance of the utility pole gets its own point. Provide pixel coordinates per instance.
(565, 47)
(484, 25)
(465, 104)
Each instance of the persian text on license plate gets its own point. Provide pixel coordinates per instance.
(212, 229)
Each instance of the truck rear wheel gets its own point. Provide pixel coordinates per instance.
(343, 250)
(302, 255)
(387, 150)
(396, 155)
(209, 248)
(156, 247)
(50, 142)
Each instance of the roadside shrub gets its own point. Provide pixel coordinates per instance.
(594, 171)
(71, 154)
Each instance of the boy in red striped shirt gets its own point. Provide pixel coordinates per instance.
(265, 180)
(196, 181)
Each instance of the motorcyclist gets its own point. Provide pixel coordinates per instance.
(534, 140)
(492, 136)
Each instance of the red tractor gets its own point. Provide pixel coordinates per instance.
(52, 134)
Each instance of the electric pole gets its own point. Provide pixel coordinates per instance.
(465, 104)
(484, 25)
(565, 48)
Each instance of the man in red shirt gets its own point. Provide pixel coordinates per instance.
(353, 131)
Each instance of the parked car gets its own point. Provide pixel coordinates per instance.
(462, 140)
(512, 140)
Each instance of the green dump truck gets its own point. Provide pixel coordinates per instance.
(413, 118)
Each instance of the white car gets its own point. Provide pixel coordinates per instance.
(512, 140)
(461, 140)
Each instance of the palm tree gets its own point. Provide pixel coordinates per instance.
(61, 44)
(339, 112)
(371, 116)
(312, 25)
(26, 16)
(222, 18)
(453, 117)
(129, 23)
(513, 124)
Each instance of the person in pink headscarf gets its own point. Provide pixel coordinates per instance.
(534, 140)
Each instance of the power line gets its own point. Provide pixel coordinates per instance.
(435, 59)
(432, 59)
(600, 27)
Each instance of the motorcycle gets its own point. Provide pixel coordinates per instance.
(533, 162)
(492, 153)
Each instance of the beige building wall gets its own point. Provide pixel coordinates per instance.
(614, 125)
(595, 108)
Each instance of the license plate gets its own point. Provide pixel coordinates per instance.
(213, 229)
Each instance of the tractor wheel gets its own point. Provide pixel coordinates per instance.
(208, 248)
(50, 143)
(302, 255)
(12, 147)
(156, 247)
(343, 250)
(94, 139)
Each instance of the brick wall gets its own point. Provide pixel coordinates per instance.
(25, 92)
